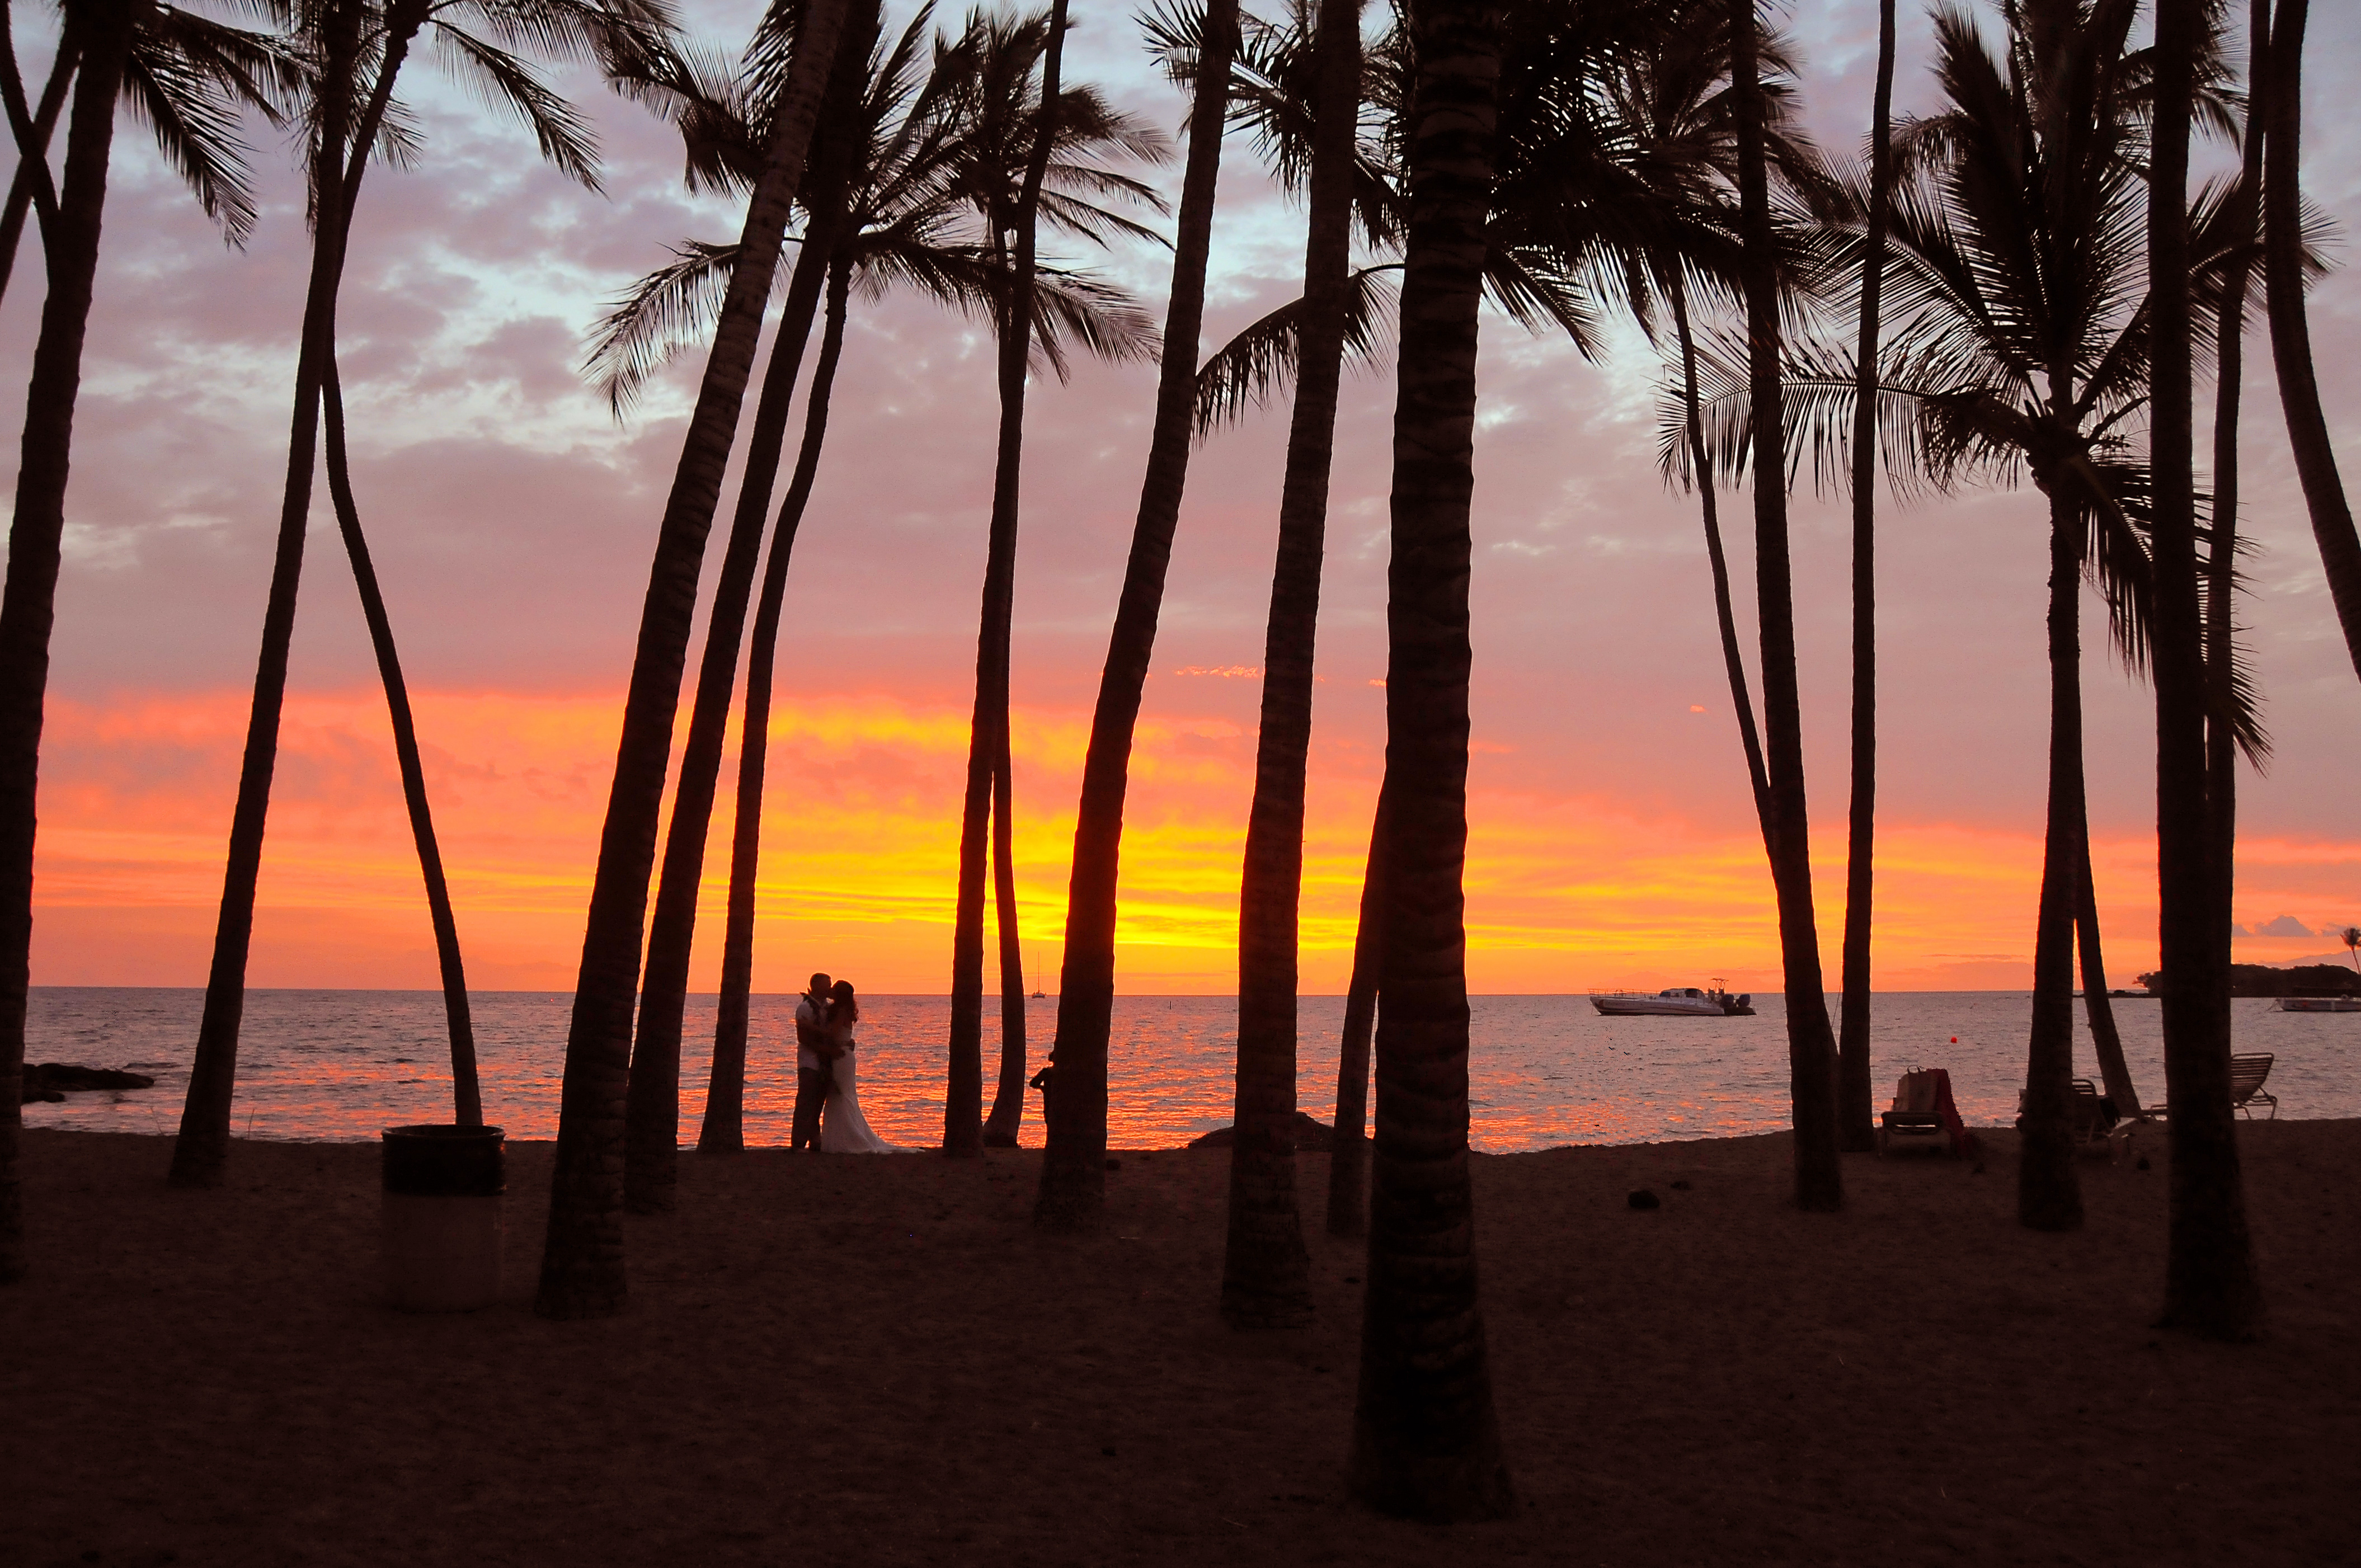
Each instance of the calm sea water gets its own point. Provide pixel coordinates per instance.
(1546, 1070)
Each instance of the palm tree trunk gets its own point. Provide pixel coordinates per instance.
(1427, 1442)
(582, 1263)
(988, 725)
(1008, 1095)
(652, 1106)
(2049, 1193)
(1811, 1044)
(28, 604)
(2107, 1041)
(1856, 1129)
(1348, 1163)
(724, 1128)
(2221, 554)
(1074, 1174)
(1724, 616)
(2316, 455)
(468, 1104)
(200, 1152)
(44, 121)
(2211, 1286)
(1266, 1272)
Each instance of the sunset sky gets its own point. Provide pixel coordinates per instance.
(1612, 838)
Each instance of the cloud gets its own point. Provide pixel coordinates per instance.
(2285, 926)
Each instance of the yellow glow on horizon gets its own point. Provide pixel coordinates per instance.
(860, 838)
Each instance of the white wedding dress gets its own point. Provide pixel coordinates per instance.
(842, 1128)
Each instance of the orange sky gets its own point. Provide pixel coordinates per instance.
(1564, 894)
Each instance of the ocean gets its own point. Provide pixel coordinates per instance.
(1545, 1070)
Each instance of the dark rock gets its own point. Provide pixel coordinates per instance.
(52, 1080)
(1642, 1198)
(1311, 1136)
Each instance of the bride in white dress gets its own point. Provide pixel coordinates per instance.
(842, 1128)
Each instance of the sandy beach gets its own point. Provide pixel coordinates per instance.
(875, 1360)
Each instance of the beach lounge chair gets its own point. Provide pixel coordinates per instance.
(1923, 1108)
(2246, 1076)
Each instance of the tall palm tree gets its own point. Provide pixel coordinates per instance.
(1348, 1158)
(356, 50)
(2351, 938)
(651, 1114)
(2281, 105)
(1266, 1272)
(467, 1095)
(582, 1261)
(1011, 115)
(1855, 1130)
(195, 124)
(1426, 1440)
(2211, 1283)
(886, 207)
(2017, 267)
(1811, 1047)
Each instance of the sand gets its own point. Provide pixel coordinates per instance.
(840, 1359)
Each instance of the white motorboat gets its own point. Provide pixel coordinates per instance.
(2319, 1004)
(1672, 1002)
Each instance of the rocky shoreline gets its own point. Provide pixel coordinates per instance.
(51, 1081)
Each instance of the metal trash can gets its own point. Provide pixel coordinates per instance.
(441, 1237)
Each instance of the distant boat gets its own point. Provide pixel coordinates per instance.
(2318, 1004)
(1672, 1002)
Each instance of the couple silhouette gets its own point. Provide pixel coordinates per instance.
(828, 1092)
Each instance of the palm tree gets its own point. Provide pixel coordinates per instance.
(1010, 115)
(2016, 263)
(885, 206)
(1348, 1159)
(2211, 1286)
(1266, 1272)
(582, 1262)
(651, 1114)
(1811, 1047)
(2351, 938)
(2280, 103)
(356, 50)
(467, 1102)
(1426, 1440)
(1855, 1130)
(195, 89)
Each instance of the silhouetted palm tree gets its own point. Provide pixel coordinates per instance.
(2284, 265)
(1011, 147)
(1348, 1158)
(188, 77)
(887, 206)
(723, 128)
(1811, 1047)
(1427, 1442)
(1855, 1131)
(2351, 938)
(582, 1262)
(2211, 1286)
(355, 51)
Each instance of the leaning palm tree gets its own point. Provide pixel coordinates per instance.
(2351, 938)
(187, 77)
(723, 125)
(1811, 1047)
(1426, 1440)
(2280, 40)
(1016, 132)
(885, 208)
(355, 51)
(582, 1261)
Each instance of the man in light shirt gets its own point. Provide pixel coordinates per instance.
(816, 1057)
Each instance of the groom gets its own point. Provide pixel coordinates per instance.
(816, 1057)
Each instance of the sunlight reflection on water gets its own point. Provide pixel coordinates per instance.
(1545, 1070)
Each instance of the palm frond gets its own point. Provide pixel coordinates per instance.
(1258, 363)
(502, 80)
(663, 313)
